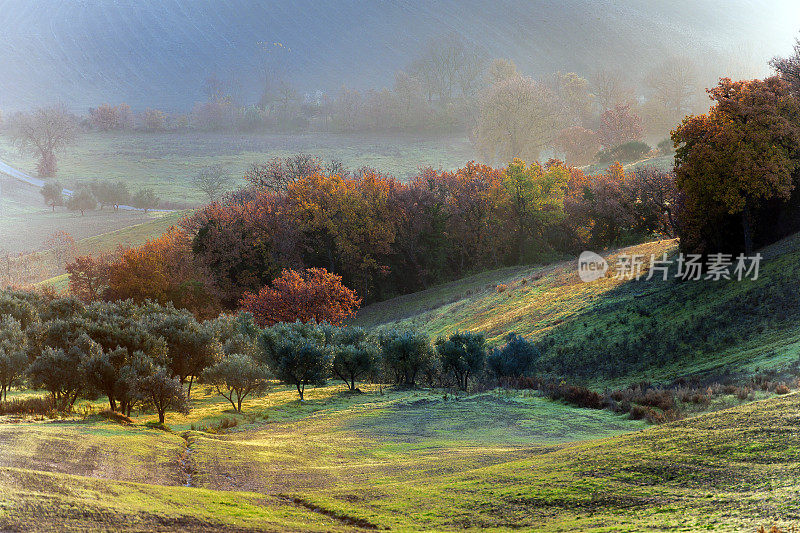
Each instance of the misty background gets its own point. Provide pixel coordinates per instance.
(158, 53)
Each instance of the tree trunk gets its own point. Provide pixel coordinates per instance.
(161, 416)
(747, 230)
(112, 403)
(189, 392)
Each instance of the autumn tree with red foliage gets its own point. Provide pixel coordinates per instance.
(88, 277)
(578, 145)
(311, 294)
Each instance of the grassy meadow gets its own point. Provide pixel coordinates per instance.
(402, 460)
(435, 460)
(167, 162)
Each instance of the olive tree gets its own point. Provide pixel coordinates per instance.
(82, 200)
(235, 377)
(354, 355)
(103, 373)
(59, 370)
(191, 346)
(164, 393)
(463, 354)
(297, 353)
(406, 354)
(13, 357)
(514, 359)
(145, 199)
(53, 194)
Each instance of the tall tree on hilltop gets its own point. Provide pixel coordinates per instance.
(743, 151)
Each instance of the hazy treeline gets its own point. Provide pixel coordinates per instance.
(453, 87)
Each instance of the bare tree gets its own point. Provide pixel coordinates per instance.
(517, 119)
(449, 66)
(612, 88)
(347, 109)
(277, 173)
(675, 85)
(43, 133)
(788, 68)
(273, 59)
(212, 181)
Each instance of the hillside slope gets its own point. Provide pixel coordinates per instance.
(613, 331)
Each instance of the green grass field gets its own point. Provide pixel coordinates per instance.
(404, 460)
(167, 162)
(432, 460)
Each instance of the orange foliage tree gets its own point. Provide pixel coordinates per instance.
(738, 163)
(88, 277)
(162, 270)
(311, 294)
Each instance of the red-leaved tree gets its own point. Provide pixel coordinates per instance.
(311, 294)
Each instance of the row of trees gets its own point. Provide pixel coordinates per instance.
(374, 237)
(148, 356)
(97, 193)
(385, 237)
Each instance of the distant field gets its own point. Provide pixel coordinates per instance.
(168, 161)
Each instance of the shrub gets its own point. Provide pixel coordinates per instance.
(514, 359)
(225, 423)
(576, 395)
(33, 406)
(666, 147)
(630, 151)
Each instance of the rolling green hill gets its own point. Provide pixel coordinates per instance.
(426, 459)
(611, 331)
